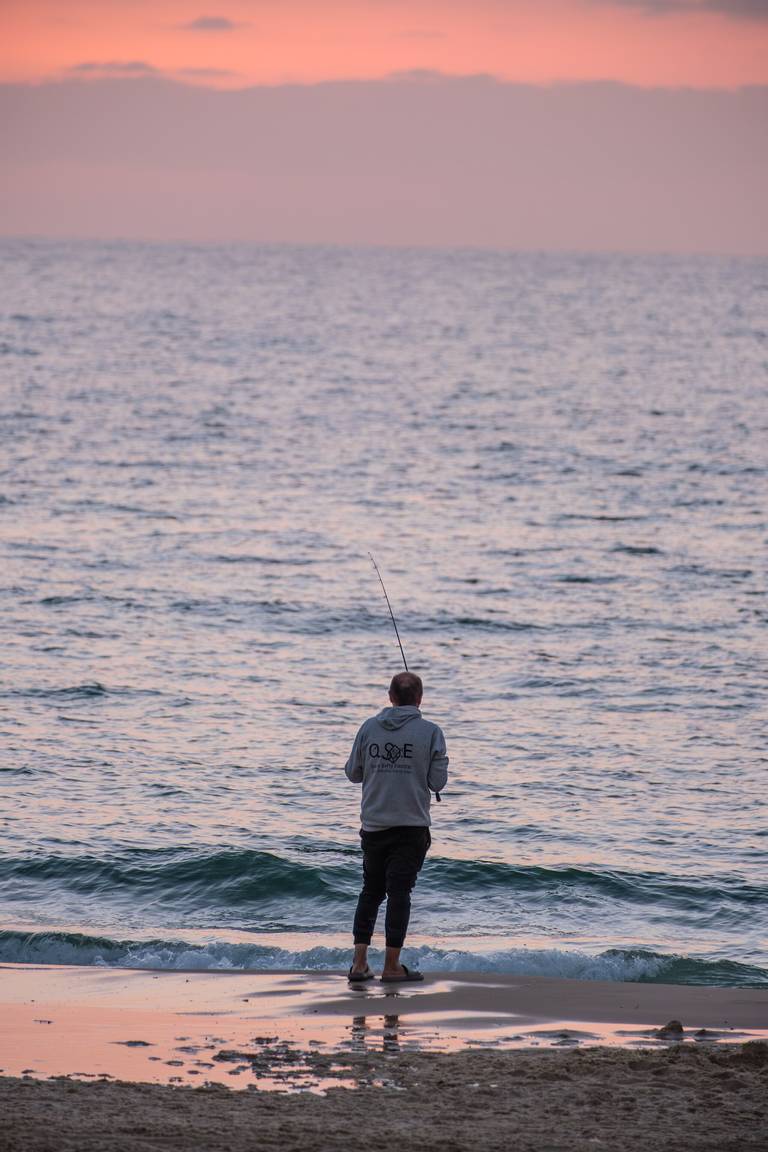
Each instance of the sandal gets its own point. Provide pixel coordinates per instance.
(407, 977)
(360, 977)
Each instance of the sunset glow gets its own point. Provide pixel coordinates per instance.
(247, 42)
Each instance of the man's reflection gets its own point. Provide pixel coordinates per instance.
(363, 1037)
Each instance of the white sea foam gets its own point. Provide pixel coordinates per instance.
(70, 948)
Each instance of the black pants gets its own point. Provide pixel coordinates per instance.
(392, 859)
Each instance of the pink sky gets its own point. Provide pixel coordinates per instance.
(699, 43)
(432, 160)
(458, 122)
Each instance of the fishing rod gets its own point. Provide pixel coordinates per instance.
(395, 624)
(437, 794)
(390, 609)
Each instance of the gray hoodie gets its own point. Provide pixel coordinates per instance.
(399, 757)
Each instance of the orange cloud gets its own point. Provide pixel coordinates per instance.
(737, 9)
(113, 68)
(212, 24)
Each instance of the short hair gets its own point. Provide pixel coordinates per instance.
(406, 688)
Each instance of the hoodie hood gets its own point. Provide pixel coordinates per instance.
(398, 717)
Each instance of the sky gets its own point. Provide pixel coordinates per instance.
(700, 43)
(634, 125)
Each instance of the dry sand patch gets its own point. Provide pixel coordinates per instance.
(554, 1101)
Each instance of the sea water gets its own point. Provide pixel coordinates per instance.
(560, 463)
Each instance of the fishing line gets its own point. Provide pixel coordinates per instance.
(390, 609)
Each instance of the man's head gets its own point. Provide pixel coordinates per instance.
(406, 688)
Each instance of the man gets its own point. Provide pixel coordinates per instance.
(399, 757)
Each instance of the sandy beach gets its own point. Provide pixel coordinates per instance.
(146, 1060)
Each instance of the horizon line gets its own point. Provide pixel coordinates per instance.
(367, 245)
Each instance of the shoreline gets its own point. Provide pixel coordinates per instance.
(171, 1026)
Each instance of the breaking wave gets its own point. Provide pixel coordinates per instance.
(633, 965)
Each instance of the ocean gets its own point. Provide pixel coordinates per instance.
(560, 463)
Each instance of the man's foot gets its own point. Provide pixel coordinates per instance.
(400, 975)
(359, 975)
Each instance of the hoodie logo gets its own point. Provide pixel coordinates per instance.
(392, 753)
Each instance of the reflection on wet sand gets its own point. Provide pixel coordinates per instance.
(365, 1037)
(291, 1031)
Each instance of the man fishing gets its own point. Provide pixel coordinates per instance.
(399, 757)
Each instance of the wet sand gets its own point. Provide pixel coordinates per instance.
(144, 1059)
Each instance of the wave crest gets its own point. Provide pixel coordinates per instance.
(632, 965)
(244, 878)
